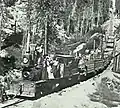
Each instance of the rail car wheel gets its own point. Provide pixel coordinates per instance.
(100, 70)
(11, 96)
(96, 72)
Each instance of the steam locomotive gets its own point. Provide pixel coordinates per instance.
(31, 85)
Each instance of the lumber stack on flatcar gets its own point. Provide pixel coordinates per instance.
(116, 63)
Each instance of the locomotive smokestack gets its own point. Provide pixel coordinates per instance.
(28, 41)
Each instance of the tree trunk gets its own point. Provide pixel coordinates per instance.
(82, 23)
(29, 18)
(74, 7)
(98, 13)
(0, 24)
(46, 37)
(28, 42)
(33, 34)
(78, 24)
(24, 42)
(64, 3)
(86, 28)
(68, 26)
(93, 17)
(101, 45)
(90, 22)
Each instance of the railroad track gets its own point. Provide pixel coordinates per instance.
(12, 102)
(15, 101)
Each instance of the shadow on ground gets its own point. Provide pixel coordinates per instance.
(107, 92)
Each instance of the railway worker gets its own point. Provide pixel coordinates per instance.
(81, 65)
(8, 80)
(3, 94)
(40, 62)
(85, 64)
(91, 55)
(44, 71)
(62, 67)
(38, 52)
(51, 60)
(49, 68)
(20, 88)
(86, 67)
(56, 68)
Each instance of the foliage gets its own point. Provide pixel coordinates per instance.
(107, 92)
(9, 3)
(64, 20)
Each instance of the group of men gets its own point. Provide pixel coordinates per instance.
(51, 67)
(4, 84)
(82, 66)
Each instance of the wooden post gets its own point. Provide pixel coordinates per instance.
(115, 63)
(115, 59)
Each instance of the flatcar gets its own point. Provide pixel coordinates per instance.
(27, 87)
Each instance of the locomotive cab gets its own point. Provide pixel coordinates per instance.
(70, 64)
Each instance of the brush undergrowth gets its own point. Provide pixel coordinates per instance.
(107, 92)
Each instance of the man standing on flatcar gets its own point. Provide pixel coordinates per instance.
(49, 68)
(62, 67)
(3, 94)
(39, 53)
(44, 70)
(81, 65)
(56, 68)
(86, 67)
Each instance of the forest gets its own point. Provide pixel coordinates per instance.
(64, 24)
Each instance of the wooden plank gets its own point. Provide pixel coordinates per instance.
(118, 67)
(116, 63)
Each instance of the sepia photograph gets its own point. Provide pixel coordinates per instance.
(59, 53)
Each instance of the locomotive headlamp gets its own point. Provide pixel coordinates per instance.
(25, 60)
(26, 74)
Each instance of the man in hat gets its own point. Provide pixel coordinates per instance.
(3, 94)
